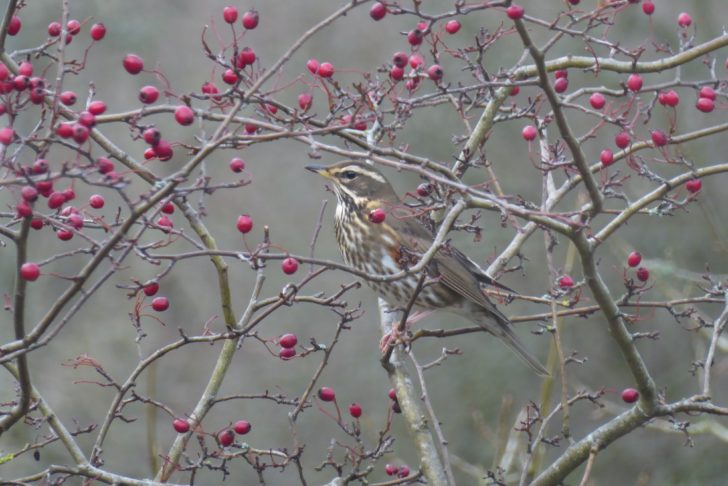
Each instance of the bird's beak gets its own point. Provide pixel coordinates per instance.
(321, 170)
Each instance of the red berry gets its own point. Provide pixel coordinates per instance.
(529, 133)
(399, 59)
(634, 259)
(561, 73)
(105, 165)
(70, 195)
(416, 60)
(376, 216)
(289, 266)
(230, 14)
(648, 7)
(659, 138)
(80, 133)
(242, 427)
(4, 72)
(435, 72)
(165, 223)
(634, 82)
(622, 140)
(181, 426)
(29, 271)
(403, 472)
(133, 64)
(56, 200)
(40, 166)
(76, 221)
(36, 223)
(152, 136)
(245, 223)
(54, 29)
(64, 234)
(669, 98)
(597, 101)
(326, 70)
(98, 31)
(378, 11)
(25, 69)
(68, 98)
(355, 410)
(23, 209)
(574, 2)
(412, 84)
(643, 274)
(160, 304)
(286, 353)
(706, 105)
(326, 394)
(251, 19)
(288, 341)
(606, 157)
(148, 94)
(515, 12)
(151, 289)
(64, 130)
(304, 101)
(515, 90)
(246, 57)
(391, 470)
(452, 27)
(6, 135)
(707, 92)
(45, 187)
(237, 165)
(163, 150)
(684, 19)
(566, 282)
(97, 107)
(250, 129)
(86, 119)
(29, 193)
(210, 89)
(630, 395)
(184, 115)
(392, 394)
(561, 85)
(424, 189)
(168, 207)
(73, 27)
(226, 437)
(96, 201)
(14, 25)
(694, 185)
(20, 82)
(313, 66)
(229, 77)
(414, 37)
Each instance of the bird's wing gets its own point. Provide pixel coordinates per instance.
(478, 272)
(453, 268)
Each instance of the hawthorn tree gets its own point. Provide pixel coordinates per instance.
(127, 211)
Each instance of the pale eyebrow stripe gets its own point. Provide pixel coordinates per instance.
(371, 174)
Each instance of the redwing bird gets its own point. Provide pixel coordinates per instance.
(393, 245)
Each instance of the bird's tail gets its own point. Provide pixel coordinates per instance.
(502, 328)
(509, 337)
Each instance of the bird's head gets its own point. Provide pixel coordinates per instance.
(356, 183)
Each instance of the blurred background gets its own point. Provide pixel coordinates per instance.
(468, 391)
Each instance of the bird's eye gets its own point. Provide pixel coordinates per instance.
(349, 175)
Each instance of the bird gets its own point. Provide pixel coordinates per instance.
(394, 244)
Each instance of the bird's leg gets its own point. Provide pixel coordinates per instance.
(395, 336)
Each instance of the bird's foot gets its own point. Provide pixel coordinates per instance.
(395, 336)
(390, 339)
